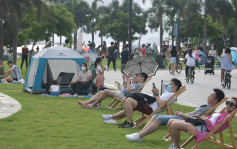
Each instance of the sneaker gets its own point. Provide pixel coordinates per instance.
(222, 82)
(172, 146)
(107, 117)
(43, 95)
(126, 125)
(75, 95)
(134, 137)
(110, 121)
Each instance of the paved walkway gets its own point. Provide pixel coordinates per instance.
(195, 95)
(8, 106)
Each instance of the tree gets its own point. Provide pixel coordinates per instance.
(156, 17)
(65, 25)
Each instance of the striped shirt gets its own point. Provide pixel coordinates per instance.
(16, 73)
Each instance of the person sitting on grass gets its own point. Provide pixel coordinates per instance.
(216, 96)
(14, 70)
(54, 88)
(131, 104)
(211, 121)
(83, 83)
(138, 80)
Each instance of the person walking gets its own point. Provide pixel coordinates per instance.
(111, 51)
(116, 52)
(104, 49)
(24, 56)
(197, 53)
(173, 60)
(124, 60)
(143, 50)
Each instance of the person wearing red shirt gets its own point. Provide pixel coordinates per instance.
(143, 50)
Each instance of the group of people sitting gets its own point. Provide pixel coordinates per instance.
(176, 123)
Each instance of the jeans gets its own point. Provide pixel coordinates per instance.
(113, 60)
(53, 93)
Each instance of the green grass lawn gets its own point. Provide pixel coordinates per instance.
(53, 122)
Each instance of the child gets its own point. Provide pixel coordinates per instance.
(99, 73)
(54, 89)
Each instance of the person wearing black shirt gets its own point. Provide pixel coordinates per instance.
(111, 51)
(173, 60)
(124, 60)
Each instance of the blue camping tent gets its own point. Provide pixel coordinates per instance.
(55, 63)
(234, 55)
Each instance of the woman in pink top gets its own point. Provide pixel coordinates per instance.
(211, 121)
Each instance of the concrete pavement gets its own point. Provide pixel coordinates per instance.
(196, 93)
(8, 106)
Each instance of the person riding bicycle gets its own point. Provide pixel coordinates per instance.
(190, 58)
(226, 64)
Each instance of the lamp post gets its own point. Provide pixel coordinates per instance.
(130, 29)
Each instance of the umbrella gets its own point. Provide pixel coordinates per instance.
(141, 64)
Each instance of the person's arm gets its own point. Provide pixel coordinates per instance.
(156, 94)
(7, 73)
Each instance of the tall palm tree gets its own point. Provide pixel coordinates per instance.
(157, 10)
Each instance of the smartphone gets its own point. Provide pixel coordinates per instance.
(154, 86)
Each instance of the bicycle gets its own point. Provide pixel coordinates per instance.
(178, 67)
(227, 79)
(190, 75)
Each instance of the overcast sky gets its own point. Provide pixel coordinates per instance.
(148, 38)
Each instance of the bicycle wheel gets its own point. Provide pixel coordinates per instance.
(179, 68)
(226, 80)
(170, 70)
(192, 77)
(228, 84)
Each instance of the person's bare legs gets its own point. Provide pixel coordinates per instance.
(119, 115)
(129, 105)
(180, 125)
(222, 74)
(169, 126)
(92, 99)
(103, 95)
(150, 127)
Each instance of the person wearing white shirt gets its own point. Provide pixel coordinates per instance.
(81, 86)
(190, 58)
(54, 89)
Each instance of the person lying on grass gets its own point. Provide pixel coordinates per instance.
(138, 80)
(201, 131)
(132, 104)
(158, 119)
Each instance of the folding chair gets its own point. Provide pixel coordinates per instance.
(166, 106)
(211, 135)
(117, 102)
(167, 137)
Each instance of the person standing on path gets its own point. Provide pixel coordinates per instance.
(116, 52)
(111, 51)
(24, 56)
(173, 60)
(143, 50)
(124, 60)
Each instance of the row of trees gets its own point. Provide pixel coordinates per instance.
(187, 21)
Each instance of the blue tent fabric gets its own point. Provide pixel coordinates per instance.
(234, 55)
(60, 59)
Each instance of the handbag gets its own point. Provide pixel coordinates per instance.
(196, 121)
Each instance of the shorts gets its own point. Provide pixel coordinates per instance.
(173, 60)
(202, 128)
(119, 94)
(123, 67)
(144, 108)
(164, 119)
